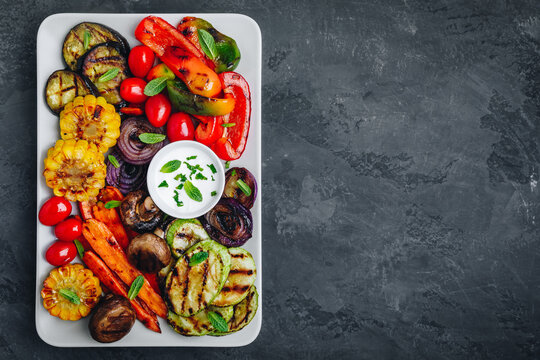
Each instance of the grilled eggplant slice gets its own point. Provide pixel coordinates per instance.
(63, 86)
(182, 234)
(241, 277)
(190, 289)
(198, 324)
(244, 312)
(97, 62)
(95, 34)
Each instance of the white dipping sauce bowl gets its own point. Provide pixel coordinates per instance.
(163, 197)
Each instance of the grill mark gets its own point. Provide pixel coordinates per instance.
(239, 255)
(97, 111)
(205, 278)
(106, 59)
(185, 283)
(241, 271)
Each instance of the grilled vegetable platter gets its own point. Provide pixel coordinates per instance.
(148, 193)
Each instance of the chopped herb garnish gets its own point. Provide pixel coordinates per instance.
(244, 187)
(213, 193)
(179, 187)
(175, 197)
(180, 177)
(200, 176)
(213, 178)
(227, 164)
(212, 168)
(113, 161)
(191, 157)
(163, 184)
(233, 173)
(226, 125)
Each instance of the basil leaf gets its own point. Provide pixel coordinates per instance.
(244, 187)
(87, 37)
(217, 321)
(171, 166)
(80, 248)
(163, 184)
(155, 86)
(112, 204)
(113, 161)
(151, 138)
(136, 286)
(198, 258)
(71, 296)
(192, 191)
(208, 44)
(109, 75)
(212, 168)
(226, 125)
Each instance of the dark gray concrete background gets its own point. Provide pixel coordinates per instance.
(401, 158)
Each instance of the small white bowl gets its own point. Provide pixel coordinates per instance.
(163, 197)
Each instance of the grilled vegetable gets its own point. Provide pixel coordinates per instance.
(63, 86)
(198, 324)
(244, 312)
(191, 288)
(112, 320)
(75, 169)
(70, 292)
(183, 100)
(100, 64)
(245, 191)
(139, 212)
(130, 146)
(182, 234)
(148, 253)
(241, 277)
(90, 119)
(228, 54)
(229, 222)
(89, 34)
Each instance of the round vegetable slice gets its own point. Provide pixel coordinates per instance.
(63, 86)
(182, 234)
(198, 324)
(192, 285)
(244, 312)
(241, 277)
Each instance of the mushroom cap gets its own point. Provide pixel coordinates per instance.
(148, 253)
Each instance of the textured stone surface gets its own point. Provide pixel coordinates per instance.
(401, 157)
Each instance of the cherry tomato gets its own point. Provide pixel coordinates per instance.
(69, 229)
(158, 109)
(54, 210)
(132, 90)
(140, 60)
(180, 127)
(60, 253)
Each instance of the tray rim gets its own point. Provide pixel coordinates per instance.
(249, 338)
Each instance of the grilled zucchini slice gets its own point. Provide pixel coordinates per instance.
(198, 324)
(97, 62)
(63, 86)
(190, 289)
(241, 277)
(243, 312)
(95, 34)
(182, 234)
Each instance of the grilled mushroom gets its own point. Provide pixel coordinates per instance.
(112, 319)
(148, 253)
(139, 212)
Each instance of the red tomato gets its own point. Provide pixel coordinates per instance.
(140, 60)
(54, 210)
(132, 90)
(60, 253)
(69, 229)
(158, 109)
(180, 127)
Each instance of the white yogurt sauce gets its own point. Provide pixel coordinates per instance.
(197, 165)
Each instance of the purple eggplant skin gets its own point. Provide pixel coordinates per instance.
(232, 190)
(229, 223)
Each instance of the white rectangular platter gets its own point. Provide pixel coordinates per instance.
(50, 38)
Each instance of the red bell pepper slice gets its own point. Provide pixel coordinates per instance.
(233, 142)
(210, 132)
(159, 35)
(132, 110)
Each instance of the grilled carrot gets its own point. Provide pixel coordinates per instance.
(109, 279)
(86, 210)
(112, 220)
(105, 245)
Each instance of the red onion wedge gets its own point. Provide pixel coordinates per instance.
(133, 150)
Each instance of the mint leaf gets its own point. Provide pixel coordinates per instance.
(208, 44)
